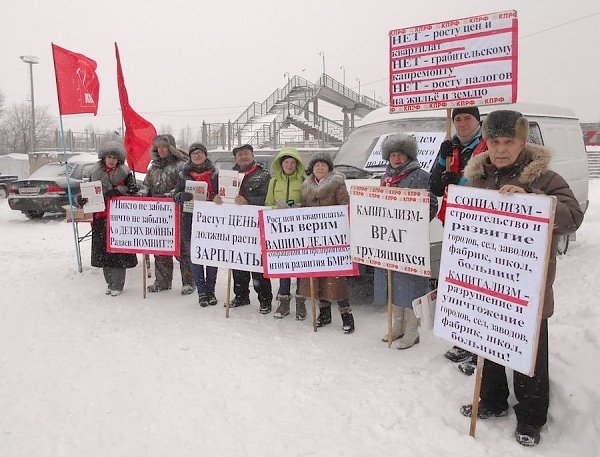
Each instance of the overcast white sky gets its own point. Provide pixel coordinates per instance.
(185, 61)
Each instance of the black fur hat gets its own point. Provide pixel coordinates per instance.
(473, 111)
(195, 146)
(321, 157)
(399, 142)
(243, 146)
(505, 123)
(114, 148)
(164, 140)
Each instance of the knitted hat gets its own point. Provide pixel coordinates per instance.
(399, 142)
(320, 157)
(243, 146)
(195, 146)
(163, 140)
(473, 111)
(114, 148)
(505, 123)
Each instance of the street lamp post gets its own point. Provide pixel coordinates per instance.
(322, 53)
(31, 60)
(343, 74)
(358, 79)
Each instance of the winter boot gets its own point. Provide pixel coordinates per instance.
(411, 330)
(348, 322)
(483, 412)
(157, 288)
(527, 435)
(203, 300)
(397, 324)
(324, 314)
(300, 308)
(468, 366)
(187, 289)
(212, 300)
(284, 307)
(457, 354)
(265, 307)
(239, 301)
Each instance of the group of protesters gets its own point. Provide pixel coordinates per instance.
(494, 155)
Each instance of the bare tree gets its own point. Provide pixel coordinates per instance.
(2, 100)
(16, 124)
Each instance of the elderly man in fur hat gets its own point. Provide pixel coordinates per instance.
(513, 166)
(160, 181)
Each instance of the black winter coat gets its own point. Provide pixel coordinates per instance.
(255, 186)
(124, 186)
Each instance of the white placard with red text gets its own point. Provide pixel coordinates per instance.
(460, 62)
(305, 242)
(143, 225)
(390, 228)
(226, 236)
(493, 272)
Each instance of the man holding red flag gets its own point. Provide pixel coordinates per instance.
(138, 131)
(467, 143)
(77, 84)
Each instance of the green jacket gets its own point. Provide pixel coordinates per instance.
(282, 188)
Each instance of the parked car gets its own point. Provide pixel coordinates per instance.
(45, 191)
(5, 180)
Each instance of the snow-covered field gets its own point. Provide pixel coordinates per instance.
(83, 374)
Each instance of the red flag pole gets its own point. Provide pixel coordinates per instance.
(69, 193)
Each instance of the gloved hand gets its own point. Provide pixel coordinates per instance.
(123, 190)
(112, 193)
(187, 196)
(449, 177)
(446, 149)
(81, 201)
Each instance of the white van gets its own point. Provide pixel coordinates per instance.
(554, 127)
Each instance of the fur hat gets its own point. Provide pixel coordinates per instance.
(399, 142)
(473, 111)
(243, 146)
(114, 148)
(164, 140)
(195, 146)
(320, 157)
(505, 123)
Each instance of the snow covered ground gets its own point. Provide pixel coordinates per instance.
(84, 374)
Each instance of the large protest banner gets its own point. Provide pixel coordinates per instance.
(143, 225)
(305, 242)
(493, 273)
(461, 62)
(429, 145)
(226, 236)
(390, 228)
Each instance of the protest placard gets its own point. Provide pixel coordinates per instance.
(143, 225)
(92, 191)
(306, 242)
(429, 145)
(226, 236)
(461, 62)
(492, 274)
(229, 184)
(390, 228)
(197, 188)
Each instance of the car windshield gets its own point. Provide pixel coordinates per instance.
(52, 171)
(356, 149)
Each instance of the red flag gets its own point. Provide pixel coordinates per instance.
(77, 84)
(139, 133)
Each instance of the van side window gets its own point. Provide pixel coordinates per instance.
(535, 135)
